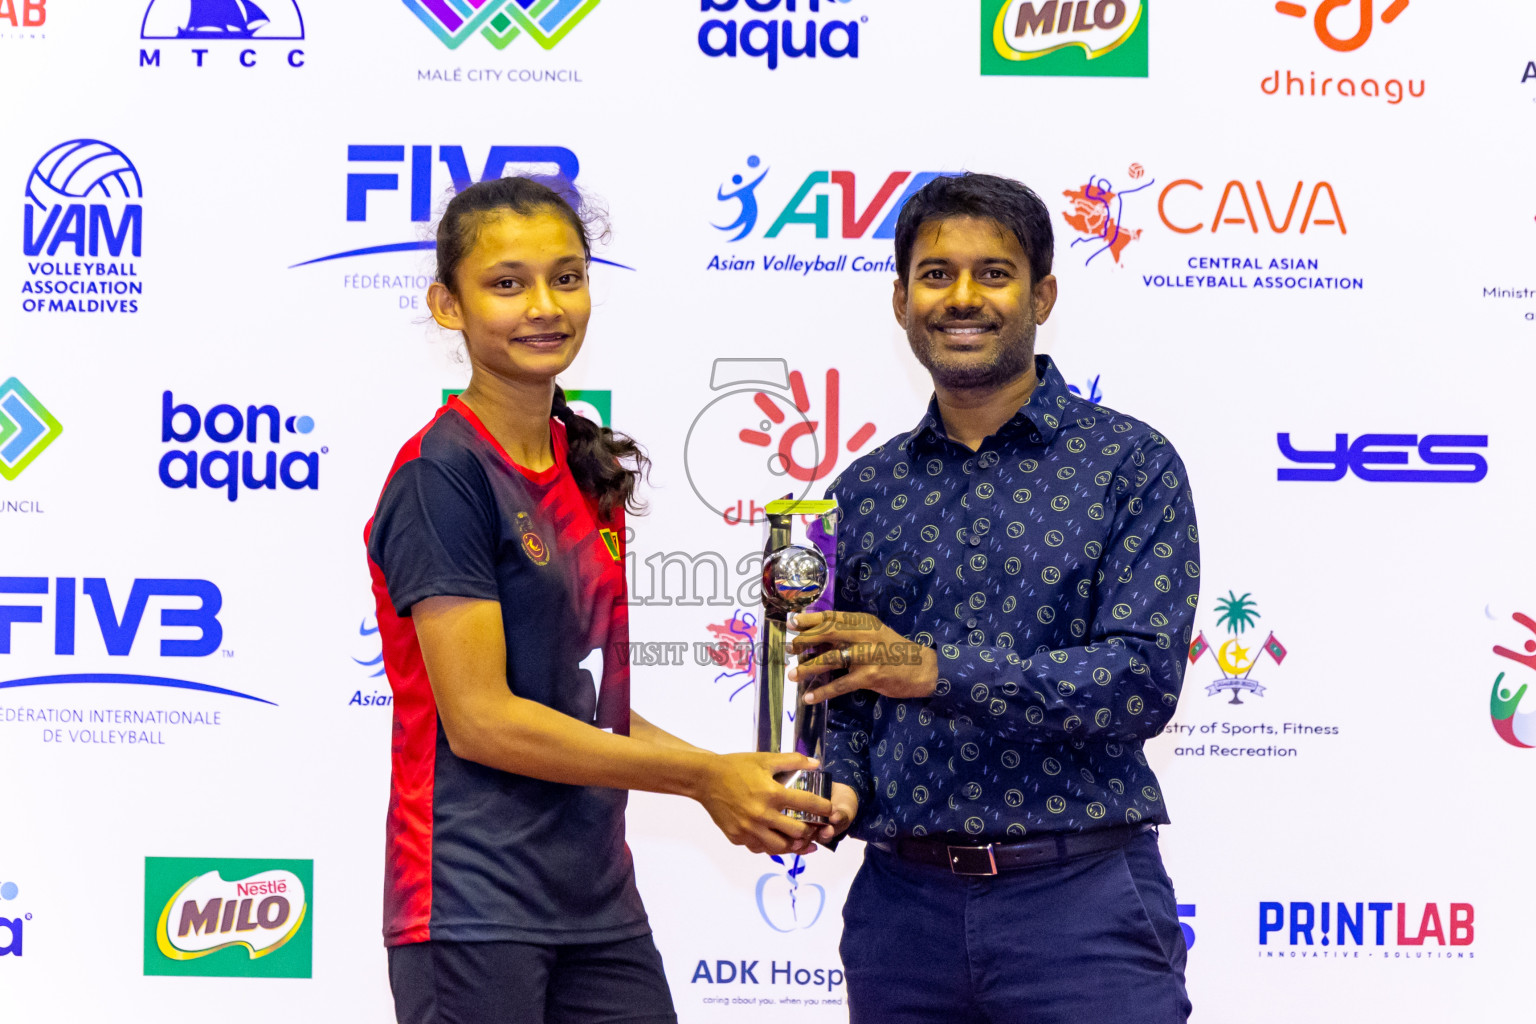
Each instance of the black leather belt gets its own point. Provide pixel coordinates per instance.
(996, 857)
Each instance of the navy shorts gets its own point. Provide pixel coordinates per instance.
(1093, 940)
(521, 983)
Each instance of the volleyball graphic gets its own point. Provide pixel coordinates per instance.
(83, 169)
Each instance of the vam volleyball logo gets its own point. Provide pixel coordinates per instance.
(1515, 727)
(499, 22)
(228, 918)
(82, 201)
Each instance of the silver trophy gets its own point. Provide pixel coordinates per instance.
(795, 577)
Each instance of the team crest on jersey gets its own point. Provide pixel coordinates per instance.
(533, 544)
(611, 542)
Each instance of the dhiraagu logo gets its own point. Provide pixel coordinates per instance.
(26, 428)
(228, 918)
(1069, 38)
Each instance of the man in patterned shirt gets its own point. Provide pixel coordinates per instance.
(1016, 581)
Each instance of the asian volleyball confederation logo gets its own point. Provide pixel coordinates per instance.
(546, 22)
(1515, 727)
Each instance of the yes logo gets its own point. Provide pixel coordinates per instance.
(1372, 456)
(228, 918)
(1325, 9)
(499, 22)
(1080, 38)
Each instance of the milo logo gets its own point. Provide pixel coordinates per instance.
(228, 918)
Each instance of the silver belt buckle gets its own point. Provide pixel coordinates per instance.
(972, 860)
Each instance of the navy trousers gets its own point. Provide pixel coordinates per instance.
(1094, 940)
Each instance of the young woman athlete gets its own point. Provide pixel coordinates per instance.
(497, 566)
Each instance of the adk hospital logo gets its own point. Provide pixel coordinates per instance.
(228, 918)
(499, 22)
(83, 231)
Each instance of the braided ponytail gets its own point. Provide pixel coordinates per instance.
(598, 456)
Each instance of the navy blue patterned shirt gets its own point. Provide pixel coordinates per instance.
(1056, 572)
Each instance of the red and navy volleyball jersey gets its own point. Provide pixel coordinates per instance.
(475, 854)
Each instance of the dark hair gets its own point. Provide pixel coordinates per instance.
(1012, 204)
(607, 466)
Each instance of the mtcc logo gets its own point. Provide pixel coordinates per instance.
(1362, 28)
(1515, 727)
(1236, 614)
(499, 22)
(1377, 458)
(222, 21)
(26, 428)
(771, 39)
(82, 199)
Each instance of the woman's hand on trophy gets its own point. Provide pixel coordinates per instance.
(845, 807)
(747, 803)
(875, 657)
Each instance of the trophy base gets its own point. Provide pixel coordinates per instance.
(814, 781)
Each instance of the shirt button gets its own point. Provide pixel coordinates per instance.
(975, 542)
(970, 623)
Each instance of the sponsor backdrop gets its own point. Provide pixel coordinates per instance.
(1296, 237)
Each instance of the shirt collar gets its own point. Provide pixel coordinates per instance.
(1039, 419)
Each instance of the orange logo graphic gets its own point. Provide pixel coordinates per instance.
(1327, 7)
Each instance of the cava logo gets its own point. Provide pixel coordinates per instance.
(1101, 38)
(228, 918)
(499, 22)
(26, 428)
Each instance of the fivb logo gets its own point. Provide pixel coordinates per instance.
(26, 428)
(228, 918)
(770, 39)
(82, 200)
(499, 22)
(229, 468)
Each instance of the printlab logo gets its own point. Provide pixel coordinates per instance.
(1371, 457)
(230, 468)
(82, 200)
(228, 918)
(760, 397)
(12, 927)
(1099, 38)
(25, 17)
(770, 40)
(222, 21)
(1515, 727)
(1236, 662)
(27, 428)
(1097, 214)
(1326, 16)
(785, 903)
(1335, 926)
(734, 650)
(499, 22)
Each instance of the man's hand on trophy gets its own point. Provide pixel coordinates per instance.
(741, 794)
(875, 656)
(845, 807)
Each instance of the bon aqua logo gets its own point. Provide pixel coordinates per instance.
(1515, 727)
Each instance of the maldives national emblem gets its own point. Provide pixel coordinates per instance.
(1236, 615)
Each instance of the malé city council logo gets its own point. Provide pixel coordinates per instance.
(26, 428)
(546, 22)
(1069, 38)
(1515, 727)
(1236, 662)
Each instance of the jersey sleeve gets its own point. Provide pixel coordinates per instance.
(434, 535)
